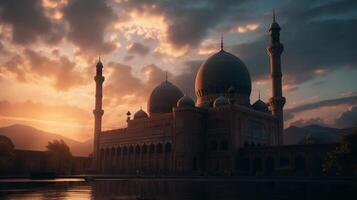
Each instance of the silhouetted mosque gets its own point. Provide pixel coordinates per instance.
(179, 135)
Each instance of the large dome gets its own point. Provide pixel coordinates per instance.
(163, 98)
(220, 72)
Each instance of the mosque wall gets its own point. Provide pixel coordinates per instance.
(188, 140)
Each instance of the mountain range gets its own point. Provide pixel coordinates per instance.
(314, 134)
(29, 138)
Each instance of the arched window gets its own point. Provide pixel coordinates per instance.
(246, 144)
(107, 152)
(125, 150)
(159, 148)
(168, 147)
(101, 153)
(300, 163)
(244, 164)
(137, 149)
(112, 151)
(257, 165)
(144, 149)
(284, 162)
(269, 164)
(194, 163)
(224, 145)
(152, 148)
(213, 145)
(118, 151)
(131, 150)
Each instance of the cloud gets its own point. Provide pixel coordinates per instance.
(189, 22)
(124, 87)
(33, 66)
(122, 84)
(247, 28)
(139, 49)
(62, 70)
(128, 58)
(186, 80)
(350, 100)
(15, 65)
(348, 118)
(3, 50)
(88, 21)
(305, 33)
(29, 22)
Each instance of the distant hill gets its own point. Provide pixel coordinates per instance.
(313, 133)
(30, 138)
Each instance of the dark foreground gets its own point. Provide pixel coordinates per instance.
(179, 189)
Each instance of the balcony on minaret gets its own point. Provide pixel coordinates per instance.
(98, 112)
(99, 79)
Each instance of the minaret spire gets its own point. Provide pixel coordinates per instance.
(277, 101)
(274, 15)
(221, 41)
(98, 113)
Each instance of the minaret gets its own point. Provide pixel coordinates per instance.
(98, 112)
(277, 100)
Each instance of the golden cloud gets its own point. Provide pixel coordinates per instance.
(246, 28)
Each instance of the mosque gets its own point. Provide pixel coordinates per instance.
(180, 136)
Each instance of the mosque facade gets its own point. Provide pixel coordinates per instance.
(180, 135)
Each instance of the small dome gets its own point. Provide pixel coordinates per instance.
(140, 114)
(259, 105)
(163, 98)
(220, 101)
(185, 101)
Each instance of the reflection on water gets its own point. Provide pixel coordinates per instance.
(26, 180)
(175, 190)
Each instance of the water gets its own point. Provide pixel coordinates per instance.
(125, 189)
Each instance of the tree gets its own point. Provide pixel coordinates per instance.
(59, 156)
(343, 160)
(6, 153)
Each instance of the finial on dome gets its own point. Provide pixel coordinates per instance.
(259, 94)
(221, 41)
(166, 76)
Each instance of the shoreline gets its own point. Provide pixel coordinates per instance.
(109, 177)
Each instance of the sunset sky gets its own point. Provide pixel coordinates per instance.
(49, 48)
